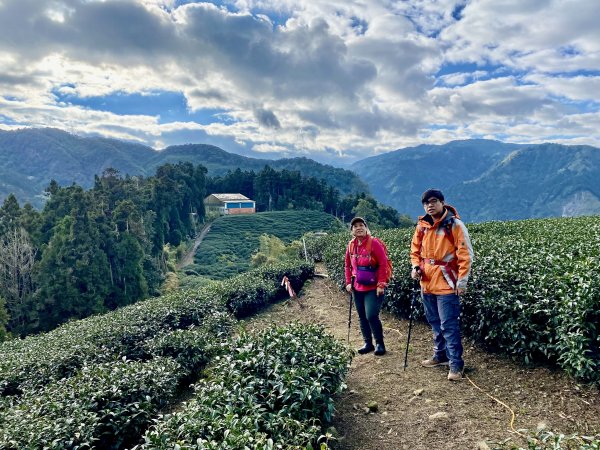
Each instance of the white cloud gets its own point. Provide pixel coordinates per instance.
(314, 77)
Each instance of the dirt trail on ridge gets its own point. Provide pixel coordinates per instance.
(418, 408)
(189, 257)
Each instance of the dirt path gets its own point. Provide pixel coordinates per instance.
(189, 257)
(409, 401)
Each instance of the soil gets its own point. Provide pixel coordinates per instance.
(189, 256)
(417, 407)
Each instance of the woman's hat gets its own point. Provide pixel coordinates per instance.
(357, 219)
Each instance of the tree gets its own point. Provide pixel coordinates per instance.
(127, 272)
(4, 318)
(17, 258)
(273, 249)
(74, 276)
(367, 211)
(10, 214)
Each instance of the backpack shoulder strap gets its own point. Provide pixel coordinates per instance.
(447, 227)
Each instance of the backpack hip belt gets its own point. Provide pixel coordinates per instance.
(447, 269)
(436, 262)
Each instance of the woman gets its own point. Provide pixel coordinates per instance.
(366, 278)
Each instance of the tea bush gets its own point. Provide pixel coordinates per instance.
(274, 390)
(192, 348)
(547, 440)
(314, 244)
(534, 292)
(102, 406)
(247, 293)
(38, 360)
(76, 387)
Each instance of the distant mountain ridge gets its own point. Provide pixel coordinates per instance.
(484, 179)
(31, 158)
(489, 180)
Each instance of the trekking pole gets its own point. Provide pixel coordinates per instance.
(413, 304)
(350, 310)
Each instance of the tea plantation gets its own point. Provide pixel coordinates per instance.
(534, 293)
(232, 240)
(101, 382)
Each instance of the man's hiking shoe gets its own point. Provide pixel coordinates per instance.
(455, 375)
(380, 350)
(433, 363)
(367, 348)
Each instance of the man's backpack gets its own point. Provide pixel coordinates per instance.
(446, 226)
(389, 270)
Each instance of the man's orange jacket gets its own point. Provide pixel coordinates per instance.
(442, 249)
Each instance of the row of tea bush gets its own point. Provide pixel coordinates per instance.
(534, 291)
(97, 382)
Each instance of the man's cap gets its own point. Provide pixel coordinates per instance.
(357, 219)
(432, 193)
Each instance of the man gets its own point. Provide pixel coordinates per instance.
(441, 255)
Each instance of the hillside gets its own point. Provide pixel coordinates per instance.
(490, 180)
(536, 181)
(227, 248)
(31, 158)
(400, 177)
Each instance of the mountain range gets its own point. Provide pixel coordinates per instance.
(484, 179)
(489, 180)
(31, 158)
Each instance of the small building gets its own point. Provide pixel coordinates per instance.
(229, 204)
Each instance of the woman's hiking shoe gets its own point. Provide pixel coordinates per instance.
(367, 348)
(455, 375)
(433, 363)
(380, 350)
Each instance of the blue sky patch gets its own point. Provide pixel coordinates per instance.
(169, 106)
(569, 50)
(457, 12)
(451, 68)
(7, 120)
(359, 25)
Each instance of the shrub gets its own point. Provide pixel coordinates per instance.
(38, 360)
(247, 293)
(547, 440)
(103, 406)
(273, 390)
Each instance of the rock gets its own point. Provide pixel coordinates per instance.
(418, 391)
(482, 445)
(439, 415)
(366, 410)
(541, 426)
(373, 406)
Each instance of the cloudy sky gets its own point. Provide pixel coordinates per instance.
(334, 80)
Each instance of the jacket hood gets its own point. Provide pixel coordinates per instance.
(450, 212)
